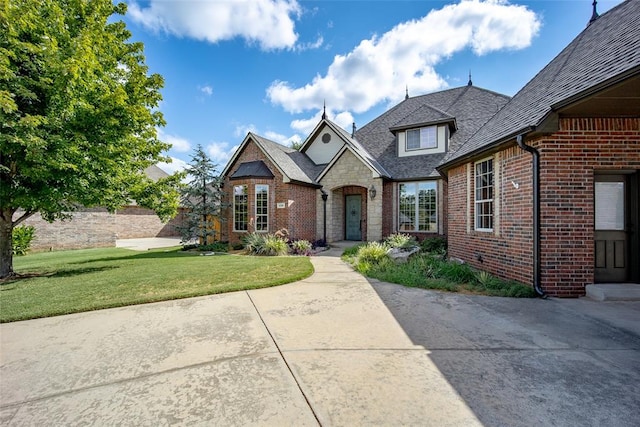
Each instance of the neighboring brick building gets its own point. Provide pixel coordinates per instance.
(581, 116)
(95, 227)
(372, 183)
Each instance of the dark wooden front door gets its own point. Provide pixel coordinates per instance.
(353, 217)
(611, 243)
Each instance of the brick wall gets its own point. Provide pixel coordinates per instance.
(506, 251)
(89, 228)
(95, 227)
(134, 222)
(569, 159)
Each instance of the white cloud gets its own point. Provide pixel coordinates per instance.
(266, 22)
(343, 119)
(379, 68)
(178, 144)
(310, 45)
(176, 165)
(207, 90)
(242, 130)
(220, 153)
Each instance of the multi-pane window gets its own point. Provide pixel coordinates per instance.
(418, 206)
(422, 138)
(484, 195)
(262, 207)
(240, 208)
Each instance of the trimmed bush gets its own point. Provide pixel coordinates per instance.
(21, 239)
(437, 245)
(275, 246)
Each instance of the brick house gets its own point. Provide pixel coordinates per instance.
(361, 185)
(547, 192)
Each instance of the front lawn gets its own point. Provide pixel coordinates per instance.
(83, 280)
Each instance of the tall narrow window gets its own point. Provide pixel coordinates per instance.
(262, 207)
(240, 208)
(418, 208)
(484, 195)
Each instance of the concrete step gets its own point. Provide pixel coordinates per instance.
(614, 292)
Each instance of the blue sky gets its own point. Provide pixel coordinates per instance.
(267, 66)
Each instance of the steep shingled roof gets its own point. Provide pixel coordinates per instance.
(295, 165)
(608, 48)
(470, 106)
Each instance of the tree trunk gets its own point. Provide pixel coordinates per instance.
(6, 249)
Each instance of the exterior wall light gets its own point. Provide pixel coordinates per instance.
(372, 192)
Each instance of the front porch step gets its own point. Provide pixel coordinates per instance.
(614, 292)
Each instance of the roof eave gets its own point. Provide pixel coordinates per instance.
(484, 150)
(450, 121)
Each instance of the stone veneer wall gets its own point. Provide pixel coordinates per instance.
(349, 171)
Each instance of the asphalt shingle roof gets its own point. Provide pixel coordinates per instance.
(295, 165)
(255, 169)
(470, 106)
(607, 48)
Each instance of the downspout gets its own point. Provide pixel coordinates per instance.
(536, 213)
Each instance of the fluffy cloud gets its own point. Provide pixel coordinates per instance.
(266, 22)
(343, 119)
(178, 144)
(379, 68)
(176, 165)
(220, 153)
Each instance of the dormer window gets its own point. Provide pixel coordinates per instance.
(420, 139)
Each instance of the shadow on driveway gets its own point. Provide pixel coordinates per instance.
(523, 362)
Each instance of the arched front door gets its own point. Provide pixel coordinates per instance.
(353, 217)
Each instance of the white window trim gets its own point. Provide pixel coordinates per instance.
(417, 208)
(434, 129)
(476, 201)
(234, 208)
(256, 208)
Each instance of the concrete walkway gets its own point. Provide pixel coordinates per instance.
(334, 349)
(323, 351)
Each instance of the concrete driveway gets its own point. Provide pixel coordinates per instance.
(334, 349)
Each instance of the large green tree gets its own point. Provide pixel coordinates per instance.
(78, 115)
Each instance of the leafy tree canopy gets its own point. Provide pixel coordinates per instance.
(78, 114)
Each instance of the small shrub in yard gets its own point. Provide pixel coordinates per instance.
(400, 240)
(215, 247)
(275, 245)
(21, 239)
(436, 245)
(254, 243)
(301, 247)
(372, 253)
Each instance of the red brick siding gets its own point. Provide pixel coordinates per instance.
(299, 214)
(568, 160)
(388, 227)
(507, 255)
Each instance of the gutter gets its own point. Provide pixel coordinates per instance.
(536, 213)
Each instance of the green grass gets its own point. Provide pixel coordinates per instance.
(429, 271)
(83, 280)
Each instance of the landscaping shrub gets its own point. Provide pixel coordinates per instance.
(21, 239)
(275, 245)
(215, 247)
(254, 243)
(400, 240)
(436, 245)
(371, 253)
(301, 247)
